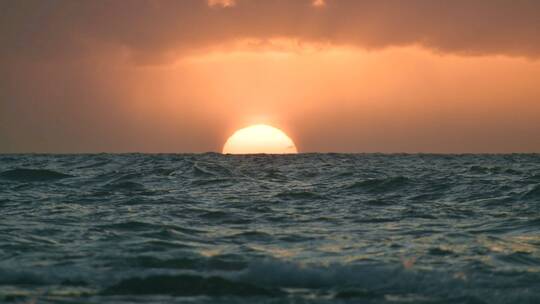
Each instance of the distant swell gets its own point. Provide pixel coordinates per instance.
(32, 175)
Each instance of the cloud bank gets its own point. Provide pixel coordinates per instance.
(42, 30)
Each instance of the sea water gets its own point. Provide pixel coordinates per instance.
(306, 228)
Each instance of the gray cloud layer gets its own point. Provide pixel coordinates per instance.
(46, 29)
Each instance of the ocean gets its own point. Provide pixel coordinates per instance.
(305, 228)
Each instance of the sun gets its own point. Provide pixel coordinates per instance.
(259, 139)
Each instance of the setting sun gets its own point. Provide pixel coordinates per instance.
(259, 139)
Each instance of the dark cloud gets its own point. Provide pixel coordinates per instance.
(47, 29)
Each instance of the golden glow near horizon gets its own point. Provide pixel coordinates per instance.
(259, 139)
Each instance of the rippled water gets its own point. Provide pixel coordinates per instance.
(308, 228)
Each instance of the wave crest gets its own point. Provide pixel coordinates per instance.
(32, 175)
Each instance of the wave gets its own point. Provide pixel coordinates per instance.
(131, 226)
(380, 185)
(204, 169)
(208, 182)
(534, 193)
(125, 185)
(95, 164)
(32, 175)
(20, 278)
(288, 279)
(476, 169)
(534, 178)
(199, 263)
(383, 280)
(187, 285)
(299, 194)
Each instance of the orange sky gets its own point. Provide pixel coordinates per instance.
(340, 76)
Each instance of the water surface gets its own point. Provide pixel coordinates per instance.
(307, 228)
